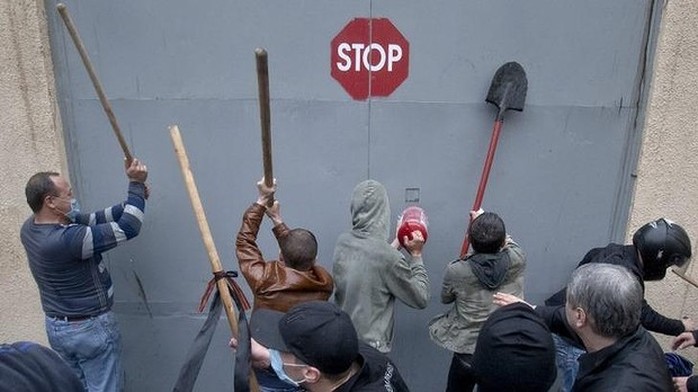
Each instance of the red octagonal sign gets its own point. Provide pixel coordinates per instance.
(369, 58)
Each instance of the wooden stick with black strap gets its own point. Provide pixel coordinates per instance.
(73, 31)
(206, 236)
(265, 115)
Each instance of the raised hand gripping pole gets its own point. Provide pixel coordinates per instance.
(68, 21)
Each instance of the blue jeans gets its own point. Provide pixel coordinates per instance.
(566, 360)
(92, 347)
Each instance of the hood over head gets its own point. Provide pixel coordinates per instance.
(370, 210)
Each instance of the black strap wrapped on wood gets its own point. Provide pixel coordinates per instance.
(197, 352)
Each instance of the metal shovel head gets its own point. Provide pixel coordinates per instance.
(508, 88)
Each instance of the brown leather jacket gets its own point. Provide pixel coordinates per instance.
(276, 286)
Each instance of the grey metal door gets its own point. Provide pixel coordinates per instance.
(561, 177)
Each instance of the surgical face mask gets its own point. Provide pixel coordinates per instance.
(278, 365)
(72, 215)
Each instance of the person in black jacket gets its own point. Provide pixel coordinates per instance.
(656, 246)
(602, 312)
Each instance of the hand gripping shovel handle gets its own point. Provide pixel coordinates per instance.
(483, 179)
(265, 114)
(72, 30)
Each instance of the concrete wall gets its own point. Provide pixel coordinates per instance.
(30, 141)
(667, 184)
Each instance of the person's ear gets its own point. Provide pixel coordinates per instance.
(580, 317)
(311, 374)
(48, 202)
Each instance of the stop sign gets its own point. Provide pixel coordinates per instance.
(369, 58)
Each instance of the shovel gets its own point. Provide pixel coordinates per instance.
(507, 92)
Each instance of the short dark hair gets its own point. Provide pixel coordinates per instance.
(487, 233)
(38, 187)
(299, 248)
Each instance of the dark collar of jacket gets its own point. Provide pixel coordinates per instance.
(634, 362)
(377, 374)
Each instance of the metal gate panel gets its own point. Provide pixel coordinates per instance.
(559, 178)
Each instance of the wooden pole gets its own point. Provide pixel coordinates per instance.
(206, 236)
(72, 30)
(265, 115)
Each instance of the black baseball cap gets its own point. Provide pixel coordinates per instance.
(318, 333)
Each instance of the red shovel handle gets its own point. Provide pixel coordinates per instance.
(483, 179)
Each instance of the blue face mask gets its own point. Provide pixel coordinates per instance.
(74, 210)
(72, 215)
(278, 365)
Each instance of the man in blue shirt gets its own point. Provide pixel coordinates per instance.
(64, 248)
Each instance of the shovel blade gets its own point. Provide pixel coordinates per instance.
(508, 88)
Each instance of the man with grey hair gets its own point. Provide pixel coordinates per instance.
(602, 312)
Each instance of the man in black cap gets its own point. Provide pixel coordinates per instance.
(315, 346)
(515, 352)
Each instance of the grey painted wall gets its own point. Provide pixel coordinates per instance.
(560, 175)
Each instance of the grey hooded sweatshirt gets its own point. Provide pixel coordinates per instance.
(369, 273)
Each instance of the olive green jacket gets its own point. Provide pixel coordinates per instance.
(457, 330)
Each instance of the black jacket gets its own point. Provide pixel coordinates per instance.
(634, 363)
(377, 374)
(626, 256)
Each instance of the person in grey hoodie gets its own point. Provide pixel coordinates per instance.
(370, 273)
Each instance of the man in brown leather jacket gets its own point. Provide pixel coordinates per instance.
(294, 278)
(279, 284)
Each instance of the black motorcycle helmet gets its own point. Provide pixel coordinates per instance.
(661, 243)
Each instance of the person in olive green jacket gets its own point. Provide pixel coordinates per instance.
(370, 273)
(496, 264)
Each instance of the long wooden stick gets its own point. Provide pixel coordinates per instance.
(203, 225)
(682, 275)
(264, 114)
(68, 21)
(206, 236)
